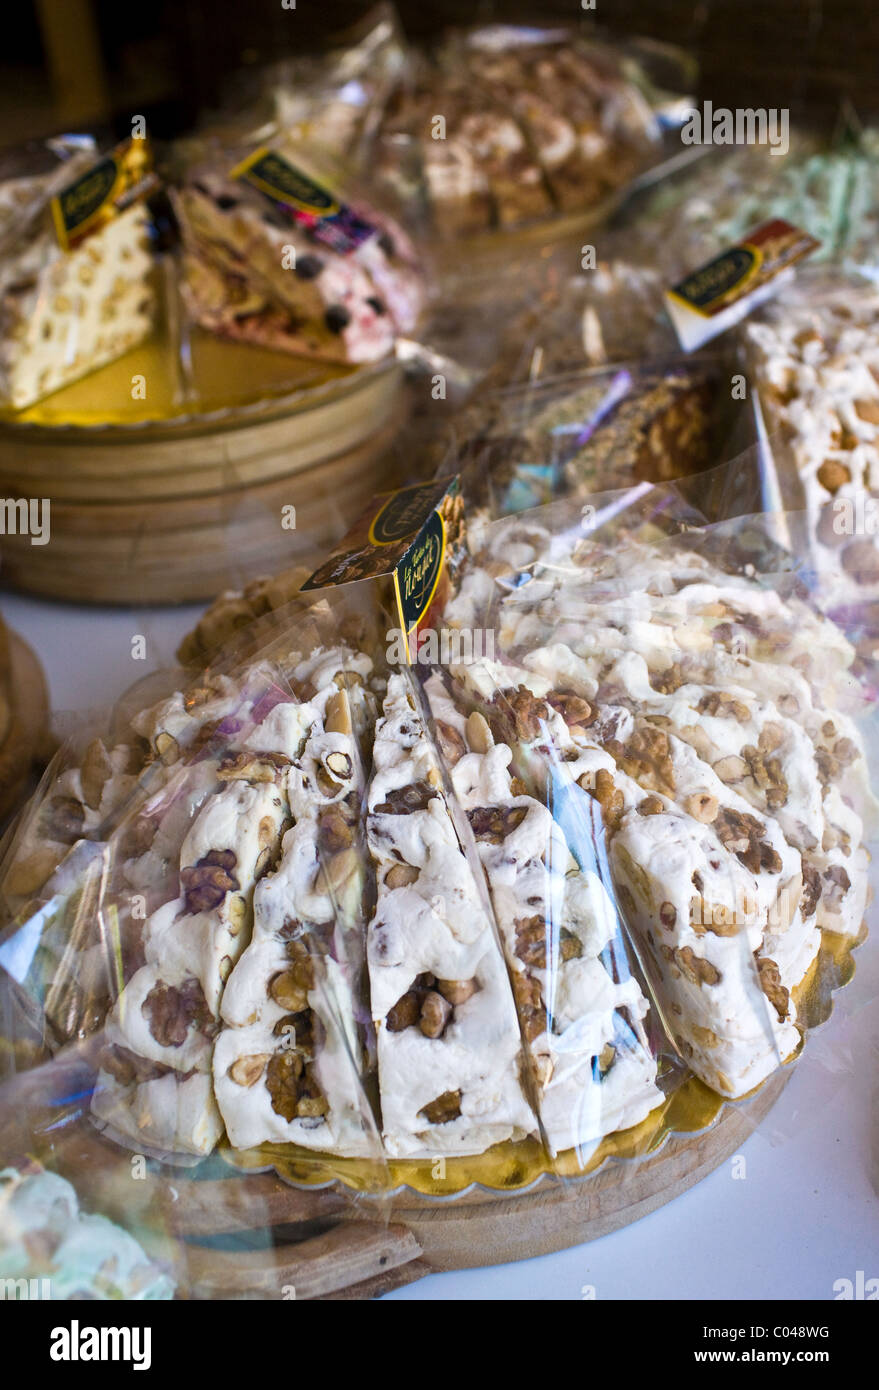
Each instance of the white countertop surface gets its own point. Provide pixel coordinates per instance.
(805, 1215)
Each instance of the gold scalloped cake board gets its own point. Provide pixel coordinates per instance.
(690, 1109)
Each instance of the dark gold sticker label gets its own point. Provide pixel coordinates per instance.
(742, 269)
(383, 535)
(284, 183)
(408, 535)
(103, 191)
(404, 513)
(713, 281)
(417, 575)
(304, 201)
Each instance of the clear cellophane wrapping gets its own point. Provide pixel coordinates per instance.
(812, 357)
(533, 123)
(608, 303)
(600, 429)
(336, 102)
(594, 864)
(69, 304)
(675, 671)
(126, 918)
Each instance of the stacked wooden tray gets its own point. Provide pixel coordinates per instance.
(172, 497)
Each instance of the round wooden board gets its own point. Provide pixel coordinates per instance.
(487, 1228)
(186, 548)
(328, 1243)
(159, 461)
(175, 510)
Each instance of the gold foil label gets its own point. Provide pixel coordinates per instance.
(104, 191)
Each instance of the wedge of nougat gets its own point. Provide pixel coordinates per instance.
(256, 277)
(155, 1086)
(580, 1008)
(449, 1048)
(64, 314)
(289, 1060)
(707, 888)
(167, 1013)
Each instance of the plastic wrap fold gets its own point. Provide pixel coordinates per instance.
(680, 675)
